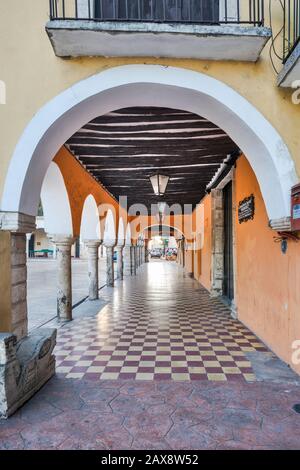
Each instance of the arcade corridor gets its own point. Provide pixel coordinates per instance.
(158, 325)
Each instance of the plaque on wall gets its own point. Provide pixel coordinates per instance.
(246, 209)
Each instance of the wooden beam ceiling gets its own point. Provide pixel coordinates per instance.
(124, 148)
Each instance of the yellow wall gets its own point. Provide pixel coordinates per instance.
(267, 281)
(268, 295)
(41, 241)
(34, 75)
(205, 276)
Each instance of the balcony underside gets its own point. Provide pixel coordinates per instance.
(78, 38)
(290, 74)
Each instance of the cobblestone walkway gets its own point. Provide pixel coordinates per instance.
(159, 325)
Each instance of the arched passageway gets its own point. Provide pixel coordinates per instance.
(144, 85)
(204, 167)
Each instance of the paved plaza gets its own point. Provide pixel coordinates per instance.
(42, 287)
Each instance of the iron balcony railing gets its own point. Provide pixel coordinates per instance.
(291, 26)
(211, 12)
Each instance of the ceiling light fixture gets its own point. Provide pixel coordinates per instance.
(159, 184)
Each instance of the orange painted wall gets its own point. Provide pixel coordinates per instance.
(268, 282)
(79, 184)
(205, 256)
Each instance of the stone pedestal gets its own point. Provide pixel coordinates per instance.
(138, 256)
(120, 262)
(25, 366)
(127, 260)
(64, 276)
(133, 260)
(110, 271)
(93, 272)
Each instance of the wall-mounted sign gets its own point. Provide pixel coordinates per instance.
(246, 209)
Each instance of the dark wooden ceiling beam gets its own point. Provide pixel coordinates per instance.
(172, 151)
(148, 127)
(145, 118)
(150, 110)
(91, 136)
(195, 157)
(123, 149)
(214, 140)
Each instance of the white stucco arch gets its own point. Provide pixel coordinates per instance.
(128, 235)
(149, 85)
(121, 232)
(109, 238)
(55, 202)
(168, 226)
(90, 222)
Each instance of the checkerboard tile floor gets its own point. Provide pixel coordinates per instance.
(158, 325)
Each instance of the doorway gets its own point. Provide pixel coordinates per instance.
(228, 278)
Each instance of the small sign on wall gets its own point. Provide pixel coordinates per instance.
(246, 209)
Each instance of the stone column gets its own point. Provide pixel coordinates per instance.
(146, 251)
(93, 268)
(28, 237)
(127, 260)
(133, 260)
(110, 269)
(120, 261)
(26, 361)
(217, 249)
(13, 271)
(63, 245)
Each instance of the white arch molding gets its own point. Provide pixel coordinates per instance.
(128, 235)
(90, 222)
(149, 85)
(109, 238)
(55, 202)
(121, 232)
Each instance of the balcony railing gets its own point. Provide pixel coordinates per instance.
(291, 27)
(206, 12)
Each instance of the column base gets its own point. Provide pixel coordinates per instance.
(25, 366)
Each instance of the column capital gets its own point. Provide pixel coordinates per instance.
(17, 222)
(92, 243)
(62, 240)
(109, 243)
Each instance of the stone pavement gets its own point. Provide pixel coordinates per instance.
(89, 414)
(162, 321)
(157, 325)
(42, 287)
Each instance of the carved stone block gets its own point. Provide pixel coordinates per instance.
(25, 366)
